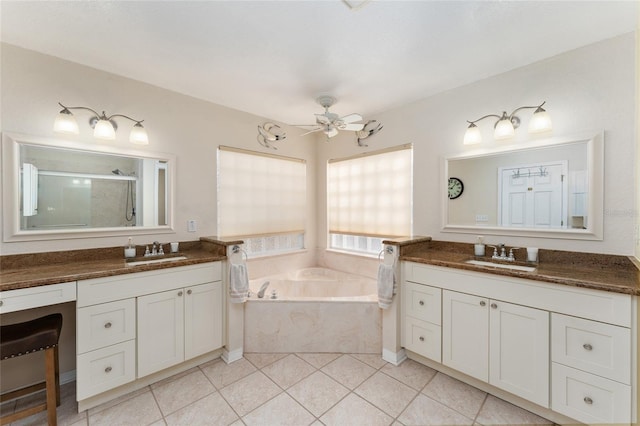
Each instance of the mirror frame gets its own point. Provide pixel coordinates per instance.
(11, 191)
(595, 162)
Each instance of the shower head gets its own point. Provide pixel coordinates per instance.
(117, 172)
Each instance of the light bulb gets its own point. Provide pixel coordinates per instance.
(104, 130)
(504, 129)
(472, 136)
(540, 122)
(139, 135)
(66, 123)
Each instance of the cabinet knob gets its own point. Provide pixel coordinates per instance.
(189, 291)
(494, 306)
(107, 325)
(588, 400)
(587, 346)
(1, 302)
(421, 303)
(180, 293)
(108, 370)
(483, 303)
(421, 339)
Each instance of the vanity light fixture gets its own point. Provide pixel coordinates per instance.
(268, 133)
(104, 127)
(505, 126)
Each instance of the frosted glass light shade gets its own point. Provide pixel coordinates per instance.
(104, 130)
(504, 129)
(540, 122)
(139, 135)
(472, 136)
(66, 123)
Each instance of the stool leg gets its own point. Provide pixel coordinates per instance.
(55, 350)
(50, 373)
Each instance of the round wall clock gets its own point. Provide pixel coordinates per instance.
(455, 188)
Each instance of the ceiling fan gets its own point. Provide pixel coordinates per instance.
(330, 123)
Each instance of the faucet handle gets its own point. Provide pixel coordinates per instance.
(511, 256)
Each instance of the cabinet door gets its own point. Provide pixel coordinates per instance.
(203, 319)
(465, 333)
(519, 351)
(160, 331)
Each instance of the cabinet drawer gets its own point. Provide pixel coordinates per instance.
(45, 295)
(106, 368)
(106, 324)
(423, 338)
(423, 302)
(594, 347)
(589, 398)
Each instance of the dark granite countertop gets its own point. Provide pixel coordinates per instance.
(37, 269)
(619, 274)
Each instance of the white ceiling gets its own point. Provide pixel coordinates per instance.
(273, 58)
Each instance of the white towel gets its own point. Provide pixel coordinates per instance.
(386, 285)
(238, 283)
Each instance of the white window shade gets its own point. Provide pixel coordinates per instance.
(260, 193)
(371, 194)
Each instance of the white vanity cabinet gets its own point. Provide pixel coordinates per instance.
(492, 340)
(133, 324)
(421, 330)
(566, 349)
(177, 325)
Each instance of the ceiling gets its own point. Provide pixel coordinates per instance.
(273, 58)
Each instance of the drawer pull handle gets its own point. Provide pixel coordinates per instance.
(588, 400)
(1, 302)
(421, 339)
(494, 306)
(180, 293)
(587, 346)
(108, 370)
(483, 303)
(189, 291)
(107, 325)
(421, 303)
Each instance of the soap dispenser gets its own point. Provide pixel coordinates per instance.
(478, 247)
(130, 249)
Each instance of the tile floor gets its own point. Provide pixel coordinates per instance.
(297, 389)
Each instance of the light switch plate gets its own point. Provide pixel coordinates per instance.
(192, 225)
(482, 218)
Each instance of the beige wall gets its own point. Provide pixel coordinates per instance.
(189, 128)
(591, 88)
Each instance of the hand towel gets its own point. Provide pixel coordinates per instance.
(386, 285)
(238, 283)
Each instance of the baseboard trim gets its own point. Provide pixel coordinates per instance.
(395, 358)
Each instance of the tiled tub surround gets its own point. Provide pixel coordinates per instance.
(316, 310)
(482, 325)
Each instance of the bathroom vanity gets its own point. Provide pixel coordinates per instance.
(550, 347)
(135, 325)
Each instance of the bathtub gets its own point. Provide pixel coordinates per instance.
(314, 310)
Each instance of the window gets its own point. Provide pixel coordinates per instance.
(263, 197)
(369, 198)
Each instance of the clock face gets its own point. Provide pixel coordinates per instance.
(455, 188)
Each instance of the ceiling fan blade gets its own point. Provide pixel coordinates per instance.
(311, 131)
(353, 127)
(351, 118)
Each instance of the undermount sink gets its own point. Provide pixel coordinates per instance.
(158, 260)
(501, 265)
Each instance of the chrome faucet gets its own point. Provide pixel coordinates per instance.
(500, 253)
(263, 288)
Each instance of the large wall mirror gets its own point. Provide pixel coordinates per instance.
(550, 188)
(55, 189)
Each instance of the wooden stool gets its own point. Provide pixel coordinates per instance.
(27, 337)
